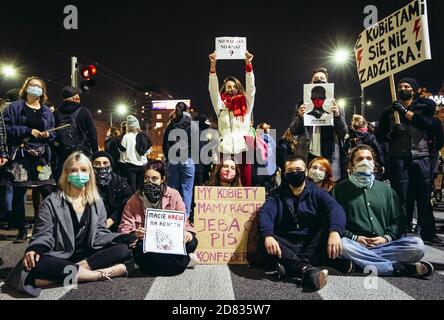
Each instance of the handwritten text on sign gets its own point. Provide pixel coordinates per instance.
(394, 44)
(223, 218)
(231, 48)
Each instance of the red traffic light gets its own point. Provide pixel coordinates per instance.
(88, 71)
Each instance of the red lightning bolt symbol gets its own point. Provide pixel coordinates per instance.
(417, 27)
(359, 57)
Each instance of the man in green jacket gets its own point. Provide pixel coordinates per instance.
(375, 223)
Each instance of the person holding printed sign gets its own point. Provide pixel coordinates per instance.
(326, 142)
(234, 106)
(410, 153)
(301, 227)
(70, 241)
(375, 223)
(155, 194)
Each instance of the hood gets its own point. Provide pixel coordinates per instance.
(183, 122)
(68, 107)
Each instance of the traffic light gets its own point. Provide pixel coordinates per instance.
(87, 74)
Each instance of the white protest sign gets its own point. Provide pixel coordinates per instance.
(165, 232)
(394, 44)
(231, 48)
(318, 99)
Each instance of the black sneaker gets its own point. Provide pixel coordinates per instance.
(314, 279)
(280, 271)
(420, 269)
(343, 265)
(22, 237)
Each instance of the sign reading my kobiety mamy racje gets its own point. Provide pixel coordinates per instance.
(231, 48)
(223, 218)
(396, 43)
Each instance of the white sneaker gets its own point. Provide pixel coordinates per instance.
(194, 260)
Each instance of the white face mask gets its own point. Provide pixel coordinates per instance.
(365, 166)
(316, 175)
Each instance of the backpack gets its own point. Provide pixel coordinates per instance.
(69, 138)
(143, 144)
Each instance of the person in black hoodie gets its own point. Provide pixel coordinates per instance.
(411, 152)
(112, 146)
(81, 134)
(300, 228)
(113, 188)
(359, 134)
(177, 152)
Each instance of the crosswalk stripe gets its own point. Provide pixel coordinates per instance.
(48, 294)
(361, 288)
(203, 283)
(434, 255)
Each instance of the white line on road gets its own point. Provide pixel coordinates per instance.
(202, 283)
(361, 288)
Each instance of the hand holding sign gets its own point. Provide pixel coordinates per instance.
(248, 58)
(232, 48)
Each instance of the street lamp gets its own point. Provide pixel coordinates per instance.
(342, 103)
(122, 110)
(341, 56)
(369, 103)
(9, 71)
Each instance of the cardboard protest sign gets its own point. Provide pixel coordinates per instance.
(223, 218)
(165, 232)
(318, 98)
(395, 43)
(231, 48)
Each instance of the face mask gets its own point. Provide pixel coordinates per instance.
(363, 175)
(405, 95)
(34, 91)
(296, 179)
(78, 180)
(227, 175)
(316, 175)
(152, 192)
(318, 103)
(103, 176)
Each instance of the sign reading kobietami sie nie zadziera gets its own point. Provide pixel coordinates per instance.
(223, 218)
(164, 232)
(231, 48)
(394, 44)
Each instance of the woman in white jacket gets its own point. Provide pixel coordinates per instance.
(234, 106)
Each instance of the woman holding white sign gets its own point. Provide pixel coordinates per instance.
(155, 194)
(234, 107)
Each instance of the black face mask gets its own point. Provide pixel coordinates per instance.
(152, 192)
(296, 179)
(405, 95)
(319, 81)
(103, 176)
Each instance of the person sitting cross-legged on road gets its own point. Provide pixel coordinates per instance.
(70, 242)
(300, 224)
(375, 223)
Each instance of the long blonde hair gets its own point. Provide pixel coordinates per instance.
(91, 193)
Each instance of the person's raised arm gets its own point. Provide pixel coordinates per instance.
(214, 85)
(250, 83)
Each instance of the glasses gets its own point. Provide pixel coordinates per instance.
(294, 170)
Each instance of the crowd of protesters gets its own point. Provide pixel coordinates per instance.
(339, 196)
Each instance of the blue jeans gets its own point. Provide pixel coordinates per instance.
(181, 178)
(406, 250)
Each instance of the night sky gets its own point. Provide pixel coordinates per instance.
(166, 44)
